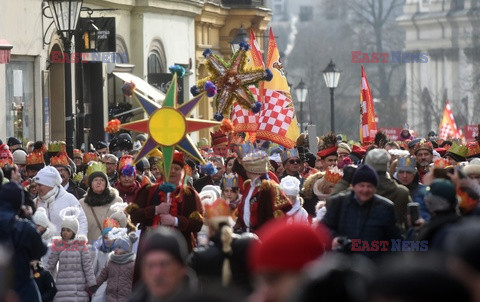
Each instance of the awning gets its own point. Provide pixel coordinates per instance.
(143, 87)
(5, 48)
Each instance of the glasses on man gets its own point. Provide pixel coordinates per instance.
(295, 161)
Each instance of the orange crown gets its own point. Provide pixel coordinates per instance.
(110, 223)
(333, 175)
(125, 160)
(34, 158)
(59, 160)
(5, 161)
(89, 156)
(218, 208)
(473, 149)
(441, 163)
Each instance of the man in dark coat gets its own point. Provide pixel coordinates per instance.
(22, 237)
(215, 179)
(362, 215)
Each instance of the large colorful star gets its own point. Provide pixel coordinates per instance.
(168, 126)
(232, 80)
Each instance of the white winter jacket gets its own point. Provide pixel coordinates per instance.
(61, 201)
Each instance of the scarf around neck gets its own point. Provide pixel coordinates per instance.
(123, 258)
(50, 196)
(97, 200)
(295, 207)
(128, 191)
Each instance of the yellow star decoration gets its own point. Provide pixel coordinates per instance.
(168, 126)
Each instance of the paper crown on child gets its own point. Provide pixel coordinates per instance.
(333, 175)
(289, 153)
(110, 223)
(96, 167)
(34, 158)
(230, 180)
(90, 156)
(218, 208)
(59, 160)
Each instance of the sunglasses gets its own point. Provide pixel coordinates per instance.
(295, 161)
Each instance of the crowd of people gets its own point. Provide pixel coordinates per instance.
(392, 220)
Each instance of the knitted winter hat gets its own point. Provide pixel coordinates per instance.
(441, 196)
(125, 243)
(40, 217)
(19, 157)
(365, 173)
(69, 218)
(285, 247)
(378, 159)
(290, 185)
(49, 177)
(168, 240)
(119, 214)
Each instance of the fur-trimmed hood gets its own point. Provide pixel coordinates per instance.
(95, 200)
(307, 190)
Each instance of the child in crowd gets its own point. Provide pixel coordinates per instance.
(119, 271)
(44, 281)
(75, 271)
(291, 186)
(45, 228)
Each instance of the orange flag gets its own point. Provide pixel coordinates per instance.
(448, 127)
(278, 121)
(368, 126)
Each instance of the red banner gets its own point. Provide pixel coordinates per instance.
(470, 132)
(391, 133)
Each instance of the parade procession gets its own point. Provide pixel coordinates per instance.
(158, 150)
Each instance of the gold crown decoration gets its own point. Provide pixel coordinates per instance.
(96, 167)
(441, 163)
(459, 150)
(55, 146)
(423, 145)
(90, 156)
(333, 175)
(473, 149)
(110, 223)
(59, 160)
(34, 158)
(289, 153)
(256, 162)
(219, 138)
(218, 208)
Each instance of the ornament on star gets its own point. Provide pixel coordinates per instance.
(168, 126)
(232, 80)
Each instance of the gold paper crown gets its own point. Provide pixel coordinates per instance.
(289, 153)
(473, 149)
(219, 138)
(423, 145)
(55, 146)
(90, 156)
(77, 153)
(459, 150)
(218, 208)
(441, 163)
(110, 223)
(96, 167)
(59, 160)
(333, 175)
(230, 180)
(34, 158)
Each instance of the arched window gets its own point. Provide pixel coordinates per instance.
(157, 63)
(154, 64)
(122, 53)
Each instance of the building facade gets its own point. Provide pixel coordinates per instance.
(447, 33)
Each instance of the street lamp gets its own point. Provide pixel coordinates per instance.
(240, 37)
(90, 34)
(331, 75)
(301, 91)
(65, 14)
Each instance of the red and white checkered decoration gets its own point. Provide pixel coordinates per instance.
(277, 112)
(448, 127)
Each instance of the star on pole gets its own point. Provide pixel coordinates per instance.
(168, 126)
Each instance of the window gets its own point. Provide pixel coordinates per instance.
(20, 100)
(154, 65)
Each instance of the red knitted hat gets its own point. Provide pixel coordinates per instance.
(286, 247)
(179, 158)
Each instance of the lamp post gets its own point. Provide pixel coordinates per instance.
(240, 37)
(301, 91)
(331, 75)
(65, 14)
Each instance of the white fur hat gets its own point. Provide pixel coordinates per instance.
(290, 185)
(69, 218)
(49, 177)
(40, 218)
